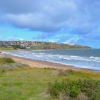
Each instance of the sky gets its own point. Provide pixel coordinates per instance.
(62, 21)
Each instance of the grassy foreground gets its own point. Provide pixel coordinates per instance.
(37, 83)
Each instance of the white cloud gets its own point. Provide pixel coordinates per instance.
(13, 38)
(50, 16)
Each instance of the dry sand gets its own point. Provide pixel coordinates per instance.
(41, 64)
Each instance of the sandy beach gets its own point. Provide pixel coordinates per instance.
(42, 64)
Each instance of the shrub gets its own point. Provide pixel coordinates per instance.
(89, 89)
(11, 66)
(9, 60)
(6, 60)
(70, 89)
(62, 72)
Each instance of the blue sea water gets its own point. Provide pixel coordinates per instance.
(79, 58)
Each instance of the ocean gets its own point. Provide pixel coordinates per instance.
(79, 58)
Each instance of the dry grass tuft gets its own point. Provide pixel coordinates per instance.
(81, 96)
(63, 97)
(62, 72)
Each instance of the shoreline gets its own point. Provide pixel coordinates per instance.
(44, 64)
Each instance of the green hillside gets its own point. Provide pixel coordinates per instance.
(49, 45)
(9, 45)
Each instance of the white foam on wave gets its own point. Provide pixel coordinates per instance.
(41, 53)
(79, 65)
(75, 56)
(84, 58)
(92, 57)
(60, 57)
(33, 53)
(38, 55)
(50, 55)
(96, 59)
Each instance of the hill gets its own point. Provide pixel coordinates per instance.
(39, 45)
(50, 45)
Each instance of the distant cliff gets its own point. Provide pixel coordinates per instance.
(49, 45)
(39, 45)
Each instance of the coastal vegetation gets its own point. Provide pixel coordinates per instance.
(9, 64)
(5, 60)
(49, 45)
(26, 83)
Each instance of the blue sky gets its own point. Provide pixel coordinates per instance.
(64, 21)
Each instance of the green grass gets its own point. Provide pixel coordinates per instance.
(24, 84)
(33, 83)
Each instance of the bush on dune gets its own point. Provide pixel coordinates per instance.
(6, 67)
(83, 89)
(5, 60)
(9, 63)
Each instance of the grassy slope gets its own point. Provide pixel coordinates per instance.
(24, 84)
(57, 46)
(31, 83)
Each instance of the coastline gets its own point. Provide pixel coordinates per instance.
(43, 64)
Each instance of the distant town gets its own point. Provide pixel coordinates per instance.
(17, 44)
(39, 45)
